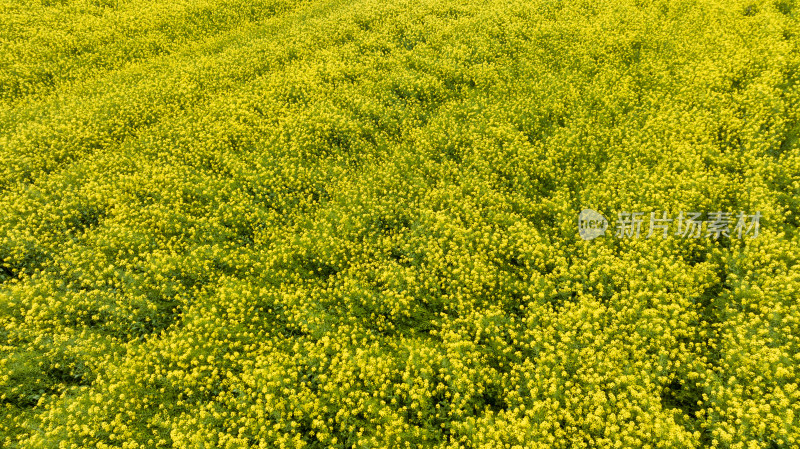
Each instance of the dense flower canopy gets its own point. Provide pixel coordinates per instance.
(353, 224)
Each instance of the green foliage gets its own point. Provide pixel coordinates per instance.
(352, 224)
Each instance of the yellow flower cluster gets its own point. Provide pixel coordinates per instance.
(352, 224)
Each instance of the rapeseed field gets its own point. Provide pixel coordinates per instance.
(399, 224)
